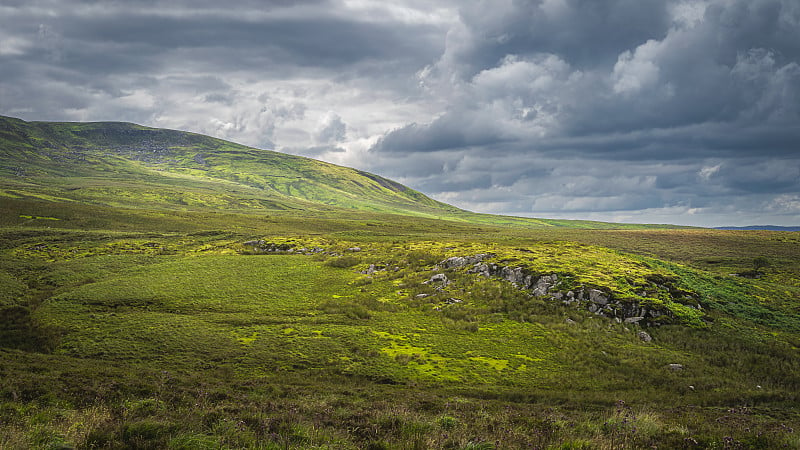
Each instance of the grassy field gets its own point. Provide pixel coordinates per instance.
(155, 307)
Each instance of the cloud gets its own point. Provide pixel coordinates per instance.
(631, 119)
(331, 129)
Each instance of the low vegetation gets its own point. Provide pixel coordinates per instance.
(127, 321)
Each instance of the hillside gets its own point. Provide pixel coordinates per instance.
(122, 164)
(161, 289)
(131, 166)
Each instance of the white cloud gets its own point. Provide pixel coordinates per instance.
(638, 70)
(786, 203)
(330, 129)
(707, 172)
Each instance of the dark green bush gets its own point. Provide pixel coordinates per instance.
(343, 262)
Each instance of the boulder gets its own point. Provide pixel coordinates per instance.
(514, 275)
(438, 278)
(598, 296)
(543, 285)
(456, 262)
(483, 269)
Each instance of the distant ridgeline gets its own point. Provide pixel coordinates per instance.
(761, 227)
(127, 165)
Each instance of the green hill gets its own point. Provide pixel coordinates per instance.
(131, 166)
(161, 289)
(122, 164)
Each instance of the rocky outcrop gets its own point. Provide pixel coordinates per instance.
(262, 246)
(595, 300)
(457, 262)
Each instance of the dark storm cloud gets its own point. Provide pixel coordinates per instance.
(585, 32)
(130, 38)
(151, 62)
(666, 105)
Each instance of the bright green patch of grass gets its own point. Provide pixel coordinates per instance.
(141, 319)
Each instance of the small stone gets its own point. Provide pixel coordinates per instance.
(439, 278)
(675, 367)
(569, 321)
(644, 336)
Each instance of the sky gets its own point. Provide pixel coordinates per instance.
(644, 111)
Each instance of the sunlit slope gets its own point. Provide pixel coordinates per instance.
(131, 166)
(121, 164)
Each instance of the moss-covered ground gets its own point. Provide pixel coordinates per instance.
(183, 292)
(115, 338)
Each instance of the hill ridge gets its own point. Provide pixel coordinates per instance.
(120, 164)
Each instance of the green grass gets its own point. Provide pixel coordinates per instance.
(133, 333)
(133, 316)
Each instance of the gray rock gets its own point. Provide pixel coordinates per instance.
(421, 295)
(482, 269)
(354, 249)
(598, 296)
(528, 281)
(513, 275)
(544, 284)
(456, 262)
(569, 321)
(438, 278)
(634, 319)
(675, 367)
